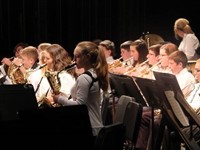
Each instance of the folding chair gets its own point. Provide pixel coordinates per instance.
(110, 137)
(132, 118)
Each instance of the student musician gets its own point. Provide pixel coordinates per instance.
(194, 97)
(178, 65)
(165, 50)
(88, 87)
(52, 78)
(139, 53)
(126, 59)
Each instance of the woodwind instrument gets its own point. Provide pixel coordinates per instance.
(55, 84)
(135, 68)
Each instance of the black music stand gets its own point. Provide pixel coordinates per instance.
(59, 128)
(168, 82)
(154, 97)
(15, 98)
(125, 85)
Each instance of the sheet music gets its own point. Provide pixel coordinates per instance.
(176, 108)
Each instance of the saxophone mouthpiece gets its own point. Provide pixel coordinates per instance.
(69, 67)
(42, 66)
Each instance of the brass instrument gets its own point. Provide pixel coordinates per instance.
(135, 68)
(127, 60)
(16, 75)
(115, 63)
(147, 71)
(191, 66)
(119, 63)
(152, 39)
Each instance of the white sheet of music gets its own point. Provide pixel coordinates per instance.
(176, 108)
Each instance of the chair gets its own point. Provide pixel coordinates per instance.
(131, 121)
(129, 113)
(121, 107)
(106, 110)
(110, 137)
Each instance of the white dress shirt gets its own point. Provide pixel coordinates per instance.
(194, 97)
(189, 44)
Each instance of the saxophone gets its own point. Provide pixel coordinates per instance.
(54, 81)
(55, 85)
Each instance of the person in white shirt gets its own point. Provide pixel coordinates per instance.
(189, 42)
(56, 59)
(178, 65)
(194, 97)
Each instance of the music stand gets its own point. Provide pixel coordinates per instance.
(125, 85)
(15, 98)
(168, 81)
(55, 128)
(154, 98)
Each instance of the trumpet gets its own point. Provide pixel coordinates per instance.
(115, 63)
(147, 71)
(135, 68)
(127, 60)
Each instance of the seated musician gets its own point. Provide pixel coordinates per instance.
(165, 50)
(109, 50)
(178, 64)
(145, 131)
(194, 97)
(153, 61)
(126, 59)
(16, 51)
(27, 60)
(53, 78)
(7, 63)
(138, 49)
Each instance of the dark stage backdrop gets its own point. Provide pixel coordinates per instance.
(68, 22)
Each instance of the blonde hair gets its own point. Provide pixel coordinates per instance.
(30, 52)
(183, 25)
(43, 46)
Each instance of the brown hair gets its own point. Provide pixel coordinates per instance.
(179, 57)
(142, 49)
(96, 58)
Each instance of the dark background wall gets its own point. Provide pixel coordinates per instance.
(69, 21)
